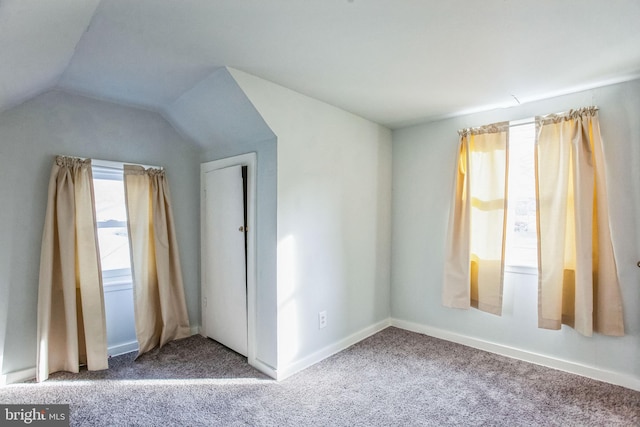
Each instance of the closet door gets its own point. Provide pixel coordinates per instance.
(223, 258)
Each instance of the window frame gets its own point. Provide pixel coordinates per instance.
(112, 171)
(518, 268)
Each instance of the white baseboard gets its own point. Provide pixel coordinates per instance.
(527, 356)
(17, 376)
(115, 350)
(256, 363)
(293, 368)
(330, 350)
(127, 347)
(264, 368)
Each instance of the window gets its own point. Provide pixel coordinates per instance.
(521, 243)
(111, 217)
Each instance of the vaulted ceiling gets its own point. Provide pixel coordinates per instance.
(393, 62)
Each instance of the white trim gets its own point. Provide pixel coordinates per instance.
(18, 376)
(106, 173)
(521, 269)
(124, 348)
(251, 161)
(265, 368)
(110, 164)
(331, 349)
(113, 351)
(117, 286)
(592, 372)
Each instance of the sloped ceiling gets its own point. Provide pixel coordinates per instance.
(37, 41)
(393, 62)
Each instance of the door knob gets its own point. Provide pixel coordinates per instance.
(241, 228)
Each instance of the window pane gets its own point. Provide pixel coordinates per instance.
(109, 200)
(114, 248)
(111, 216)
(521, 216)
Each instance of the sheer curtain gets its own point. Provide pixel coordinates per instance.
(160, 309)
(474, 265)
(71, 320)
(577, 276)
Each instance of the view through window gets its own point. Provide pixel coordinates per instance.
(111, 217)
(521, 242)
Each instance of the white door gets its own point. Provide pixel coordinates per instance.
(223, 258)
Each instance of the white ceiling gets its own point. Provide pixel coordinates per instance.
(394, 62)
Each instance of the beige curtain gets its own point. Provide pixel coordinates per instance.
(160, 309)
(71, 320)
(474, 263)
(577, 276)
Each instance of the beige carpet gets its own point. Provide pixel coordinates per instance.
(394, 378)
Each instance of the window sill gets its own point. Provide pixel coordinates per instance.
(521, 269)
(117, 285)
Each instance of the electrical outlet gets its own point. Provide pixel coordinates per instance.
(322, 319)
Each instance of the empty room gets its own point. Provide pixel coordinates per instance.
(320, 213)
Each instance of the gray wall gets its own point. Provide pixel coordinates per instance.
(333, 223)
(60, 123)
(423, 161)
(266, 240)
(218, 116)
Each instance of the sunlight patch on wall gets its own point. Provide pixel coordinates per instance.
(288, 327)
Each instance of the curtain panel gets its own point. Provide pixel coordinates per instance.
(474, 265)
(577, 276)
(159, 302)
(71, 327)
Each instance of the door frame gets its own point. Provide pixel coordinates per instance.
(250, 161)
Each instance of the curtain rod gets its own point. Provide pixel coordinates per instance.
(528, 121)
(516, 123)
(111, 164)
(119, 165)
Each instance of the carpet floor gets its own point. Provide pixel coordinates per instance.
(394, 378)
